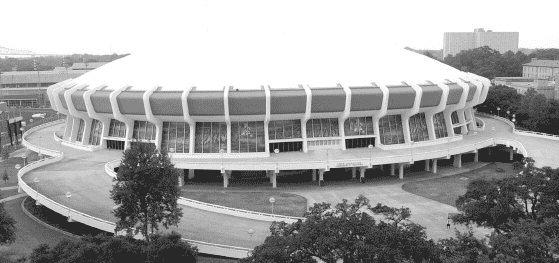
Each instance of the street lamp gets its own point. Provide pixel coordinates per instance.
(68, 194)
(24, 157)
(498, 111)
(371, 154)
(36, 180)
(221, 151)
(272, 201)
(250, 233)
(412, 151)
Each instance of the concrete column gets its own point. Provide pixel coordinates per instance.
(190, 174)
(476, 156)
(74, 129)
(313, 175)
(382, 167)
(457, 160)
(353, 172)
(511, 153)
(181, 178)
(226, 175)
(271, 176)
(401, 171)
(274, 181)
(392, 169)
(321, 177)
(362, 174)
(434, 166)
(427, 165)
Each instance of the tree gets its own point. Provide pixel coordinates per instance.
(5, 176)
(7, 226)
(464, 248)
(146, 191)
(533, 194)
(502, 97)
(114, 249)
(347, 232)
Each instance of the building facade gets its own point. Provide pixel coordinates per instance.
(454, 42)
(541, 69)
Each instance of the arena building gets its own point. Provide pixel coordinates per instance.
(248, 109)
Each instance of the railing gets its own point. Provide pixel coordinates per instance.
(109, 169)
(203, 247)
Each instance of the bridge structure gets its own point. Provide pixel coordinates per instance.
(223, 231)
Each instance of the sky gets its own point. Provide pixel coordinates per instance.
(122, 26)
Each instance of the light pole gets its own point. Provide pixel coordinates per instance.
(250, 233)
(24, 157)
(412, 151)
(272, 201)
(36, 180)
(68, 194)
(499, 111)
(508, 112)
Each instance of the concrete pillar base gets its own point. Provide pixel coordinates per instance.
(476, 157)
(314, 175)
(427, 168)
(401, 171)
(362, 174)
(226, 176)
(511, 154)
(434, 166)
(353, 172)
(321, 177)
(181, 179)
(382, 167)
(190, 174)
(274, 179)
(457, 160)
(393, 169)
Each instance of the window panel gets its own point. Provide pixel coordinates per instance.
(180, 137)
(165, 136)
(198, 137)
(317, 128)
(334, 127)
(297, 129)
(260, 142)
(288, 130)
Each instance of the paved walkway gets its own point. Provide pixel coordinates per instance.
(82, 173)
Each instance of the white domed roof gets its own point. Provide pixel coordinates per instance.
(214, 65)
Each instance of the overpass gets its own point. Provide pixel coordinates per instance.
(82, 173)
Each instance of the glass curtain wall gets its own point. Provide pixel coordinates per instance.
(81, 127)
(176, 136)
(143, 130)
(440, 125)
(355, 126)
(317, 128)
(391, 131)
(418, 128)
(117, 129)
(288, 129)
(95, 132)
(455, 120)
(210, 137)
(247, 136)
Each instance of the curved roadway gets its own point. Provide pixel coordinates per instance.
(82, 173)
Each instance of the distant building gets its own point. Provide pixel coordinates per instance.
(29, 88)
(454, 42)
(547, 87)
(540, 69)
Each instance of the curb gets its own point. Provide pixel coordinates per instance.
(45, 224)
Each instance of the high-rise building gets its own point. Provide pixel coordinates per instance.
(454, 42)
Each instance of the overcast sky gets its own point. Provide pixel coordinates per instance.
(122, 26)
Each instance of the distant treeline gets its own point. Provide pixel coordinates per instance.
(50, 62)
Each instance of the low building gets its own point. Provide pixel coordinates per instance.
(540, 69)
(548, 86)
(29, 88)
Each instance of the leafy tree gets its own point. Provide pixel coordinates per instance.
(146, 191)
(113, 249)
(533, 194)
(528, 241)
(5, 176)
(7, 226)
(347, 232)
(500, 96)
(464, 248)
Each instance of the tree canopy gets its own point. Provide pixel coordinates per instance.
(146, 191)
(103, 248)
(347, 232)
(7, 226)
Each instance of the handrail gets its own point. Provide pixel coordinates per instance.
(109, 169)
(204, 247)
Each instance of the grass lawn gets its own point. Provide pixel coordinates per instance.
(286, 204)
(446, 190)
